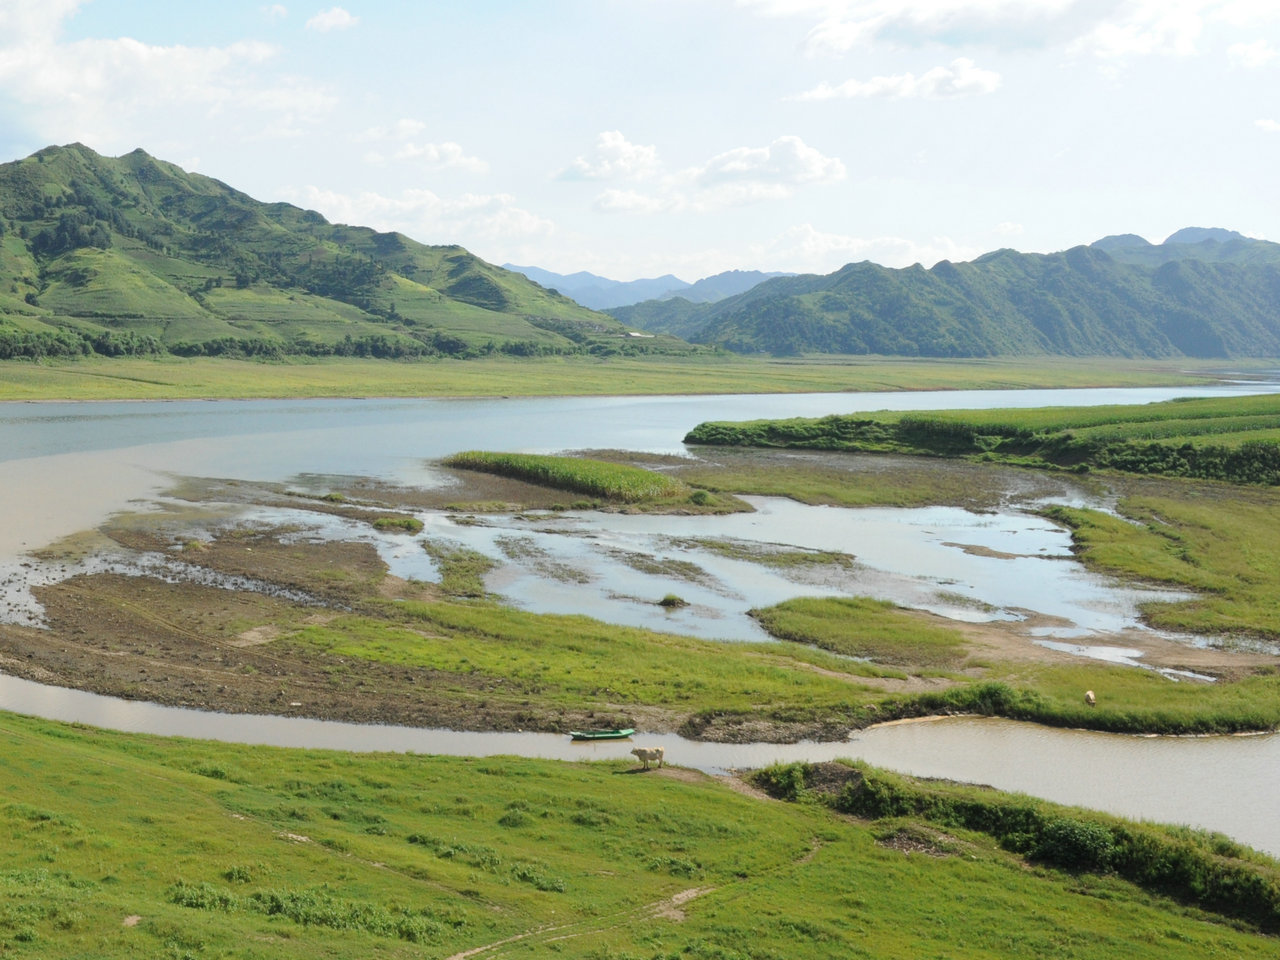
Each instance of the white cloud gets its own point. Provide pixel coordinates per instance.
(277, 11)
(960, 78)
(616, 158)
(434, 156)
(427, 217)
(1008, 229)
(1270, 126)
(846, 24)
(1110, 29)
(734, 178)
(630, 201)
(1251, 55)
(788, 160)
(102, 90)
(335, 18)
(440, 156)
(403, 129)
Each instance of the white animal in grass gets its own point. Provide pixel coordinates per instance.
(646, 755)
(1090, 699)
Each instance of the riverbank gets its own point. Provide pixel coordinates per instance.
(125, 845)
(208, 378)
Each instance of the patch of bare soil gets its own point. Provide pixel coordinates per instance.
(916, 839)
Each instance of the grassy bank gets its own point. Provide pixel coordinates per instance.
(1234, 439)
(1206, 870)
(1221, 542)
(172, 378)
(124, 846)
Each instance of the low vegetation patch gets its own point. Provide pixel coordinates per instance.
(611, 481)
(1222, 545)
(862, 627)
(774, 555)
(462, 570)
(1235, 439)
(1205, 869)
(398, 524)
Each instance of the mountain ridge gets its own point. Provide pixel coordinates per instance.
(601, 293)
(134, 255)
(1202, 293)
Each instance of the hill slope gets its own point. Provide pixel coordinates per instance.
(132, 255)
(1203, 293)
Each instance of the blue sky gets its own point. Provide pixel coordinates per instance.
(683, 136)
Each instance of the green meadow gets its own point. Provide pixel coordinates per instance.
(129, 378)
(121, 845)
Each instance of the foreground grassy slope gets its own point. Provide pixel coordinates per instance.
(123, 846)
(134, 256)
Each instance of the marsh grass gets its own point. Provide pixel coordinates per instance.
(1222, 543)
(462, 570)
(657, 566)
(400, 524)
(579, 663)
(315, 854)
(775, 555)
(862, 627)
(611, 481)
(1232, 439)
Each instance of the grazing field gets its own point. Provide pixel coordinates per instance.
(173, 378)
(124, 846)
(1234, 439)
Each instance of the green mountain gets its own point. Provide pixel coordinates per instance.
(132, 255)
(1202, 293)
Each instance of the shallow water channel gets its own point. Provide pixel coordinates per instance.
(66, 467)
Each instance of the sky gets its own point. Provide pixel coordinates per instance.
(635, 138)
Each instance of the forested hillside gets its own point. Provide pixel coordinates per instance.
(1202, 293)
(132, 255)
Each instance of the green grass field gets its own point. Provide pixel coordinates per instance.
(174, 378)
(122, 846)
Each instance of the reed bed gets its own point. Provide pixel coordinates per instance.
(610, 481)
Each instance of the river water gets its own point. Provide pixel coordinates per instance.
(66, 467)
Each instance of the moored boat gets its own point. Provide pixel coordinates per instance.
(619, 734)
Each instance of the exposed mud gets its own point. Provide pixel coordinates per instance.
(197, 608)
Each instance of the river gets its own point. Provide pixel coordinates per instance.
(65, 467)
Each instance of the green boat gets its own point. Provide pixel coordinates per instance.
(601, 734)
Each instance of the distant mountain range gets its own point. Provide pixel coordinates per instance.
(600, 293)
(1201, 293)
(133, 255)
